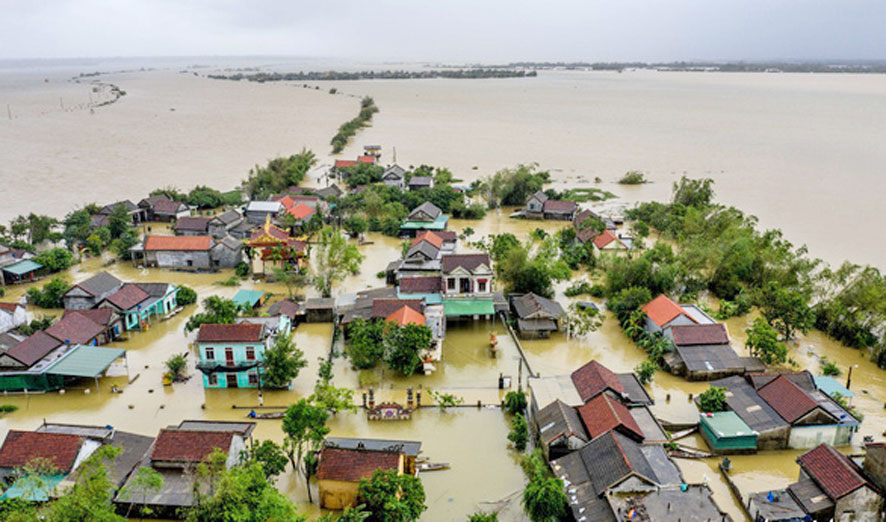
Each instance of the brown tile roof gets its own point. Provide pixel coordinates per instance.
(421, 285)
(127, 297)
(181, 243)
(698, 334)
(189, 445)
(75, 328)
(10, 307)
(448, 236)
(100, 316)
(243, 332)
(301, 211)
(469, 262)
(604, 238)
(593, 379)
(192, 224)
(382, 308)
(167, 207)
(662, 310)
(286, 307)
(345, 164)
(602, 414)
(802, 379)
(352, 465)
(834, 472)
(559, 205)
(406, 315)
(21, 447)
(787, 399)
(33, 348)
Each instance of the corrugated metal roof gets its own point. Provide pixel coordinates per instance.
(455, 307)
(22, 267)
(86, 361)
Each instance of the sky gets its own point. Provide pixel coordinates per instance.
(488, 31)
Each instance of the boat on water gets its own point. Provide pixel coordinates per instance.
(271, 415)
(431, 466)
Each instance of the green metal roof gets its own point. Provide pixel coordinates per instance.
(86, 361)
(830, 386)
(33, 489)
(453, 307)
(437, 224)
(22, 267)
(248, 298)
(726, 424)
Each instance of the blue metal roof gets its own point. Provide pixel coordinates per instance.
(830, 386)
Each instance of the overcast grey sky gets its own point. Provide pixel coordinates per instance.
(454, 30)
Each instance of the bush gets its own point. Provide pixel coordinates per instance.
(51, 295)
(633, 177)
(8, 408)
(242, 269)
(645, 371)
(54, 260)
(515, 402)
(713, 399)
(176, 365)
(519, 434)
(829, 367)
(578, 288)
(186, 295)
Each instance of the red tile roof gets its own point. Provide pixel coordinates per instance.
(284, 200)
(301, 211)
(406, 315)
(662, 310)
(33, 348)
(602, 414)
(21, 447)
(367, 159)
(244, 333)
(128, 297)
(180, 243)
(593, 379)
(75, 328)
(382, 308)
(352, 465)
(345, 164)
(604, 238)
(834, 472)
(10, 307)
(787, 399)
(430, 237)
(101, 316)
(189, 445)
(698, 334)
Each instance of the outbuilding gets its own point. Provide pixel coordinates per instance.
(726, 433)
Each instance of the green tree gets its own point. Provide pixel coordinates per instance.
(713, 399)
(334, 258)
(332, 398)
(390, 497)
(90, 498)
(186, 295)
(304, 427)
(355, 225)
(519, 434)
(646, 371)
(119, 221)
(511, 187)
(217, 310)
(787, 310)
(282, 362)
(403, 346)
(122, 244)
(763, 342)
(483, 517)
(269, 455)
(365, 343)
(51, 294)
(697, 193)
(292, 279)
(176, 365)
(357, 513)
(145, 482)
(543, 499)
(515, 402)
(54, 260)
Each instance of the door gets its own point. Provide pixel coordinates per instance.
(465, 285)
(232, 380)
(229, 356)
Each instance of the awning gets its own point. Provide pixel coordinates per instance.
(86, 361)
(455, 307)
(248, 298)
(22, 267)
(437, 224)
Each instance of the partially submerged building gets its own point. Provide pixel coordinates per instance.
(662, 313)
(90, 292)
(426, 216)
(725, 432)
(12, 315)
(703, 352)
(187, 252)
(231, 354)
(537, 316)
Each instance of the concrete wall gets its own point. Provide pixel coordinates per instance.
(178, 259)
(224, 257)
(862, 505)
(335, 494)
(875, 464)
(8, 321)
(806, 437)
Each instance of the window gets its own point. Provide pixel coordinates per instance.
(213, 379)
(190, 262)
(250, 353)
(253, 378)
(450, 283)
(481, 286)
(210, 353)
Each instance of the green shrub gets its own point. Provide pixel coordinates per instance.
(713, 399)
(515, 402)
(519, 434)
(242, 269)
(186, 295)
(633, 177)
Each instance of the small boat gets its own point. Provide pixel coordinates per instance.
(431, 466)
(271, 415)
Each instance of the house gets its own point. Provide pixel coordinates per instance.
(702, 352)
(603, 414)
(537, 316)
(585, 224)
(420, 182)
(427, 288)
(161, 208)
(395, 176)
(174, 252)
(302, 213)
(372, 150)
(138, 303)
(64, 452)
(535, 204)
(593, 378)
(725, 432)
(277, 245)
(249, 300)
(607, 241)
(138, 214)
(110, 322)
(320, 310)
(559, 209)
(467, 287)
(90, 292)
(831, 486)
(257, 212)
(220, 225)
(191, 226)
(242, 230)
(231, 354)
(23, 271)
(344, 462)
(226, 252)
(559, 429)
(406, 315)
(680, 502)
(291, 309)
(741, 398)
(174, 454)
(611, 465)
(8, 340)
(12, 315)
(426, 216)
(662, 313)
(421, 259)
(332, 191)
(311, 201)
(78, 329)
(544, 391)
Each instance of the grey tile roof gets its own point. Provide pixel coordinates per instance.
(542, 307)
(810, 497)
(408, 447)
(714, 357)
(469, 262)
(428, 208)
(420, 181)
(744, 401)
(424, 248)
(559, 419)
(100, 284)
(228, 217)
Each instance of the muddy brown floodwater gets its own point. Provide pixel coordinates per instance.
(471, 439)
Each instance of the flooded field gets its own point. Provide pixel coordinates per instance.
(472, 439)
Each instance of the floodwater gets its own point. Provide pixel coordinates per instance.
(472, 439)
(783, 147)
